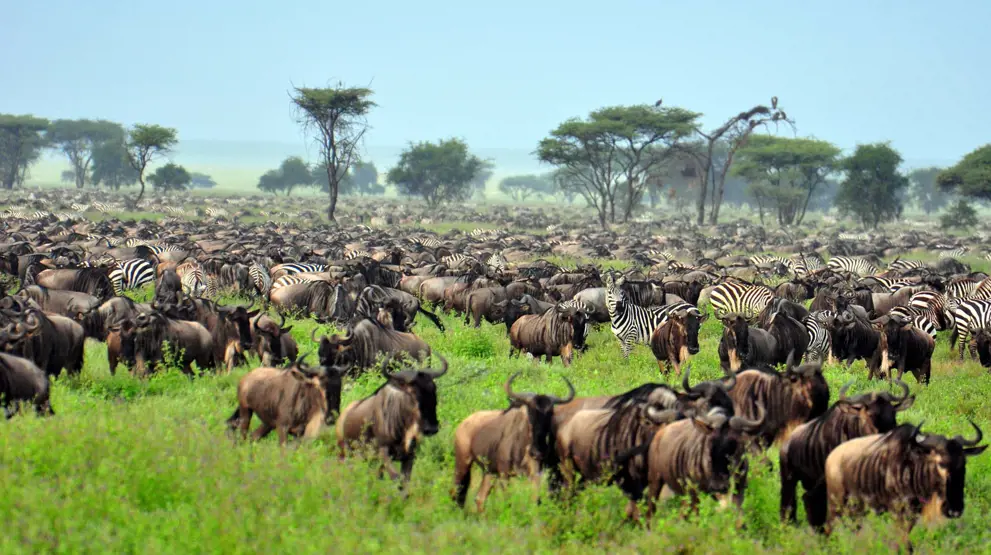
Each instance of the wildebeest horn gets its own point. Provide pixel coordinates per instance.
(904, 386)
(844, 389)
(742, 424)
(685, 384)
(790, 361)
(571, 394)
(517, 397)
(970, 442)
(661, 416)
(28, 325)
(282, 317)
(299, 360)
(919, 438)
(438, 373)
(731, 376)
(313, 335)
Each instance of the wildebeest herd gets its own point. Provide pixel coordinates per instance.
(783, 315)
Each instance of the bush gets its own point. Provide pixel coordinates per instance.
(959, 216)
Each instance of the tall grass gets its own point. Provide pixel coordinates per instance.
(147, 466)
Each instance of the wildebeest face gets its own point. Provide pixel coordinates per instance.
(425, 391)
(242, 319)
(540, 411)
(692, 325)
(950, 459)
(982, 341)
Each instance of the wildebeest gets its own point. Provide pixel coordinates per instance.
(52, 342)
(94, 281)
(705, 452)
(909, 348)
(488, 303)
(375, 296)
(743, 345)
(360, 348)
(556, 332)
(789, 398)
(289, 400)
(22, 380)
(669, 343)
(394, 417)
(853, 338)
(144, 342)
(904, 471)
(272, 342)
(517, 440)
(981, 340)
(317, 298)
(71, 304)
(803, 454)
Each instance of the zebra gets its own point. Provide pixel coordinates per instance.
(921, 321)
(291, 279)
(955, 252)
(456, 260)
(932, 305)
(962, 288)
(852, 264)
(820, 344)
(174, 210)
(292, 268)
(352, 254)
(969, 315)
(736, 297)
(497, 263)
(131, 274)
(427, 242)
(863, 237)
(900, 265)
(631, 323)
(213, 212)
(261, 281)
(197, 283)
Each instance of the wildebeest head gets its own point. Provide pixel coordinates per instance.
(982, 342)
(808, 386)
(693, 322)
(330, 379)
(877, 409)
(706, 396)
(335, 349)
(736, 334)
(268, 334)
(540, 412)
(947, 460)
(728, 438)
(241, 318)
(514, 309)
(420, 385)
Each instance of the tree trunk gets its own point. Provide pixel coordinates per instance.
(80, 180)
(332, 207)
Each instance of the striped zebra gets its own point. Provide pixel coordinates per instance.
(852, 264)
(458, 259)
(174, 210)
(631, 323)
(742, 298)
(261, 282)
(759, 260)
(214, 212)
(820, 344)
(932, 305)
(955, 252)
(901, 266)
(291, 279)
(131, 274)
(292, 268)
(352, 254)
(854, 237)
(197, 283)
(921, 321)
(961, 288)
(969, 315)
(497, 263)
(102, 207)
(427, 242)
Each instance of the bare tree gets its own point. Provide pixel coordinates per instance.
(338, 115)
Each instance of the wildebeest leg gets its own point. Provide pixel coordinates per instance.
(313, 427)
(387, 463)
(566, 354)
(815, 502)
(483, 491)
(264, 430)
(788, 506)
(244, 417)
(230, 356)
(632, 511)
(653, 492)
(283, 434)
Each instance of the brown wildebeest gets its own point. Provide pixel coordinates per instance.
(553, 333)
(903, 471)
(22, 380)
(803, 454)
(289, 400)
(94, 281)
(272, 342)
(367, 339)
(484, 303)
(517, 440)
(705, 452)
(789, 398)
(669, 343)
(394, 417)
(151, 330)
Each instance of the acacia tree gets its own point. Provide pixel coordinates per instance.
(609, 156)
(522, 187)
(338, 118)
(713, 154)
(971, 176)
(873, 186)
(926, 191)
(145, 143)
(170, 177)
(785, 173)
(363, 179)
(77, 139)
(21, 140)
(112, 166)
(439, 172)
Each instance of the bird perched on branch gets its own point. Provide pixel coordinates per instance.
(658, 103)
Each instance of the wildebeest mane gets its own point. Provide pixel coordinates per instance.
(639, 394)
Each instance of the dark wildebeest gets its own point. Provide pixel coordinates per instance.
(688, 290)
(903, 471)
(71, 304)
(144, 342)
(230, 330)
(791, 337)
(168, 287)
(853, 338)
(375, 296)
(22, 380)
(289, 400)
(317, 298)
(93, 281)
(743, 345)
(789, 398)
(669, 343)
(394, 418)
(704, 454)
(517, 440)
(803, 454)
(488, 303)
(981, 341)
(272, 342)
(909, 349)
(52, 342)
(556, 332)
(363, 344)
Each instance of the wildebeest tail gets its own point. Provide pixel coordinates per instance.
(433, 318)
(624, 457)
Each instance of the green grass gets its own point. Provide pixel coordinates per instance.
(132, 466)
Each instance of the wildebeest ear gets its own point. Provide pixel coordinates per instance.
(254, 313)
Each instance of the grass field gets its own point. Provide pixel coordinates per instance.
(146, 466)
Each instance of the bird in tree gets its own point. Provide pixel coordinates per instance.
(146, 143)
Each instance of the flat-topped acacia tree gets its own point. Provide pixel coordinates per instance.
(337, 118)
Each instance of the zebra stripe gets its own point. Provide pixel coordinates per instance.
(352, 254)
(853, 265)
(904, 265)
(291, 279)
(260, 279)
(631, 323)
(735, 297)
(292, 268)
(954, 252)
(969, 316)
(131, 274)
(962, 288)
(920, 321)
(820, 344)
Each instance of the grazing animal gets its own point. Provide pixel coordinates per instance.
(289, 400)
(803, 454)
(394, 418)
(745, 346)
(908, 349)
(22, 380)
(669, 343)
(362, 346)
(553, 333)
(517, 440)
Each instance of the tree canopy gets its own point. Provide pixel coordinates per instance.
(871, 191)
(22, 139)
(926, 191)
(522, 187)
(971, 176)
(609, 156)
(111, 165)
(145, 143)
(337, 118)
(76, 139)
(362, 179)
(170, 177)
(201, 181)
(439, 172)
(784, 173)
(292, 172)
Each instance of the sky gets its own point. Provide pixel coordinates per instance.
(501, 75)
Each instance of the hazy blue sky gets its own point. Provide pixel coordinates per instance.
(502, 74)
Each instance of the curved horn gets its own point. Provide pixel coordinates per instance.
(32, 317)
(970, 442)
(571, 394)
(438, 373)
(282, 317)
(685, 384)
(844, 389)
(745, 425)
(904, 386)
(385, 366)
(313, 335)
(661, 416)
(516, 397)
(731, 376)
